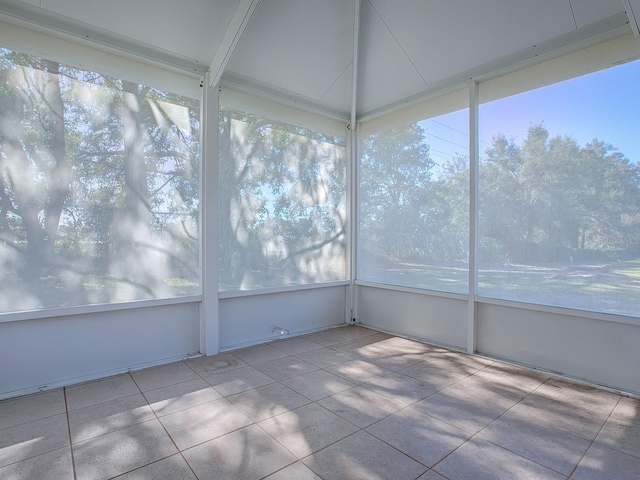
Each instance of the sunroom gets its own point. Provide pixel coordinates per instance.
(330, 189)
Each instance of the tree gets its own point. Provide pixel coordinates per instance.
(282, 201)
(551, 199)
(98, 185)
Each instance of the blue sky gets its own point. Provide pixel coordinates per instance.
(603, 105)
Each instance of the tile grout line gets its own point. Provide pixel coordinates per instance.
(486, 426)
(155, 414)
(66, 408)
(596, 437)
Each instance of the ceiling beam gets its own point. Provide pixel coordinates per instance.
(632, 15)
(232, 36)
(45, 21)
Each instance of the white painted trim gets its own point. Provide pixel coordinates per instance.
(99, 308)
(209, 309)
(276, 110)
(353, 177)
(51, 23)
(474, 218)
(573, 312)
(92, 377)
(418, 291)
(256, 88)
(237, 346)
(583, 37)
(285, 289)
(232, 36)
(632, 17)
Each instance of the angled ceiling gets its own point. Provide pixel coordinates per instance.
(303, 50)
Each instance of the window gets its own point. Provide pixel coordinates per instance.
(414, 204)
(99, 188)
(560, 194)
(282, 203)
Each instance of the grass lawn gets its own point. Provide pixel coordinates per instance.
(613, 287)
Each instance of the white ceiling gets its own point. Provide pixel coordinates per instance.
(303, 49)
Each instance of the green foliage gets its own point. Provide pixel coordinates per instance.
(552, 200)
(98, 176)
(282, 203)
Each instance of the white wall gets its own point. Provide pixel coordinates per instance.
(68, 349)
(438, 319)
(600, 351)
(249, 319)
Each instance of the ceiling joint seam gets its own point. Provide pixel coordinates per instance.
(399, 44)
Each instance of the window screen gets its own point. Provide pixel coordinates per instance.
(414, 204)
(282, 217)
(560, 194)
(99, 188)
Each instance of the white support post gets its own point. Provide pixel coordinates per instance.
(352, 187)
(209, 318)
(474, 160)
(232, 36)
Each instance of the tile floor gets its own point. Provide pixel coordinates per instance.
(348, 403)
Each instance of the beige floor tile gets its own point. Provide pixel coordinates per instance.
(215, 364)
(170, 468)
(431, 475)
(32, 439)
(577, 420)
(248, 453)
(268, 401)
(318, 384)
(239, 380)
(297, 471)
(55, 465)
(100, 391)
(295, 345)
(621, 434)
(258, 354)
(459, 362)
(202, 423)
(363, 348)
(163, 376)
(95, 420)
(555, 449)
(602, 463)
(360, 406)
(368, 458)
(480, 460)
(122, 451)
(287, 367)
(357, 331)
(331, 337)
(307, 429)
(325, 357)
(627, 410)
(470, 409)
(436, 375)
(398, 360)
(180, 396)
(401, 388)
(358, 371)
(423, 438)
(579, 395)
(509, 378)
(31, 407)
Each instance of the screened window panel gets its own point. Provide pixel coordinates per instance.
(99, 188)
(282, 197)
(560, 194)
(414, 204)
